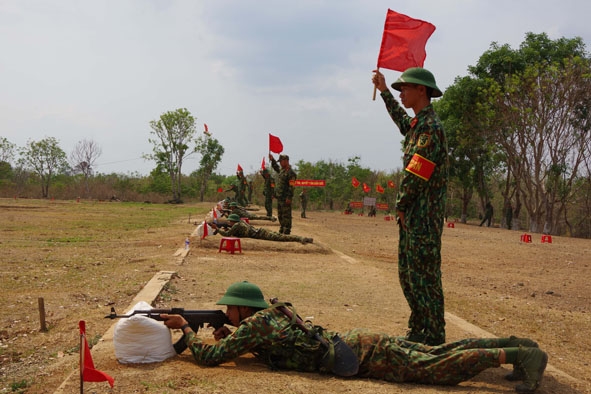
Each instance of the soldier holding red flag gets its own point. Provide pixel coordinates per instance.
(420, 203)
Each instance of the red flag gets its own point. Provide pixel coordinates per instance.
(366, 188)
(205, 234)
(403, 42)
(238, 169)
(355, 182)
(275, 144)
(379, 189)
(214, 213)
(263, 163)
(391, 184)
(87, 371)
(220, 190)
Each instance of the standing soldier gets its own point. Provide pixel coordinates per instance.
(268, 191)
(242, 185)
(284, 191)
(303, 203)
(420, 204)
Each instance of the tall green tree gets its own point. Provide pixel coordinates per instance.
(174, 134)
(46, 159)
(211, 153)
(535, 120)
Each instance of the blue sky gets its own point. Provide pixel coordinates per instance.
(102, 70)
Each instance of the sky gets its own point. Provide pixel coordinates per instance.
(301, 70)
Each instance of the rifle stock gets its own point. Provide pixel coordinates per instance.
(196, 319)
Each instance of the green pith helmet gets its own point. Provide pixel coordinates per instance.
(418, 76)
(244, 294)
(233, 217)
(233, 204)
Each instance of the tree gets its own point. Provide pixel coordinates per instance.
(7, 150)
(537, 122)
(46, 159)
(211, 153)
(173, 133)
(83, 157)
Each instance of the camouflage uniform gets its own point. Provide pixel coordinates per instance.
(243, 213)
(268, 191)
(273, 338)
(423, 204)
(284, 190)
(245, 230)
(242, 186)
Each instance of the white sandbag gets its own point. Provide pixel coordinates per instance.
(139, 339)
(199, 231)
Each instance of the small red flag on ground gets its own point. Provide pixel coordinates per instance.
(403, 42)
(355, 182)
(366, 188)
(379, 189)
(275, 144)
(205, 232)
(87, 371)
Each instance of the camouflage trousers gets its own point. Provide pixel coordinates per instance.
(269, 205)
(284, 216)
(419, 273)
(397, 360)
(273, 236)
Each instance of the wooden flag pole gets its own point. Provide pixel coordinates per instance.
(375, 89)
(82, 349)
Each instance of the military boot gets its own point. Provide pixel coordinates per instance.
(533, 361)
(518, 373)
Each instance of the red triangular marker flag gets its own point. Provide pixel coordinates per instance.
(87, 371)
(403, 42)
(263, 163)
(205, 232)
(354, 182)
(238, 169)
(275, 144)
(366, 188)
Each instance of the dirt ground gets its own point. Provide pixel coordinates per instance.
(347, 278)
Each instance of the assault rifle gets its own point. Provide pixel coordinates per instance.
(196, 319)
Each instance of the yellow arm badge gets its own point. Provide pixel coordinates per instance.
(424, 140)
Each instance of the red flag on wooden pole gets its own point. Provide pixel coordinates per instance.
(275, 144)
(87, 371)
(355, 182)
(403, 42)
(366, 188)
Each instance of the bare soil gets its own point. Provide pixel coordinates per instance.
(347, 278)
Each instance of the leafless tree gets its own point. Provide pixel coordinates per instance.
(83, 158)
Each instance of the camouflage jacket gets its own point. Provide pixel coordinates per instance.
(423, 136)
(284, 187)
(240, 230)
(268, 334)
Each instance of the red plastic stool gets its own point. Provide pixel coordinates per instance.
(546, 239)
(230, 244)
(526, 238)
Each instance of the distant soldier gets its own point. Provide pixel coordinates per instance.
(488, 214)
(242, 229)
(303, 203)
(284, 191)
(243, 213)
(268, 191)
